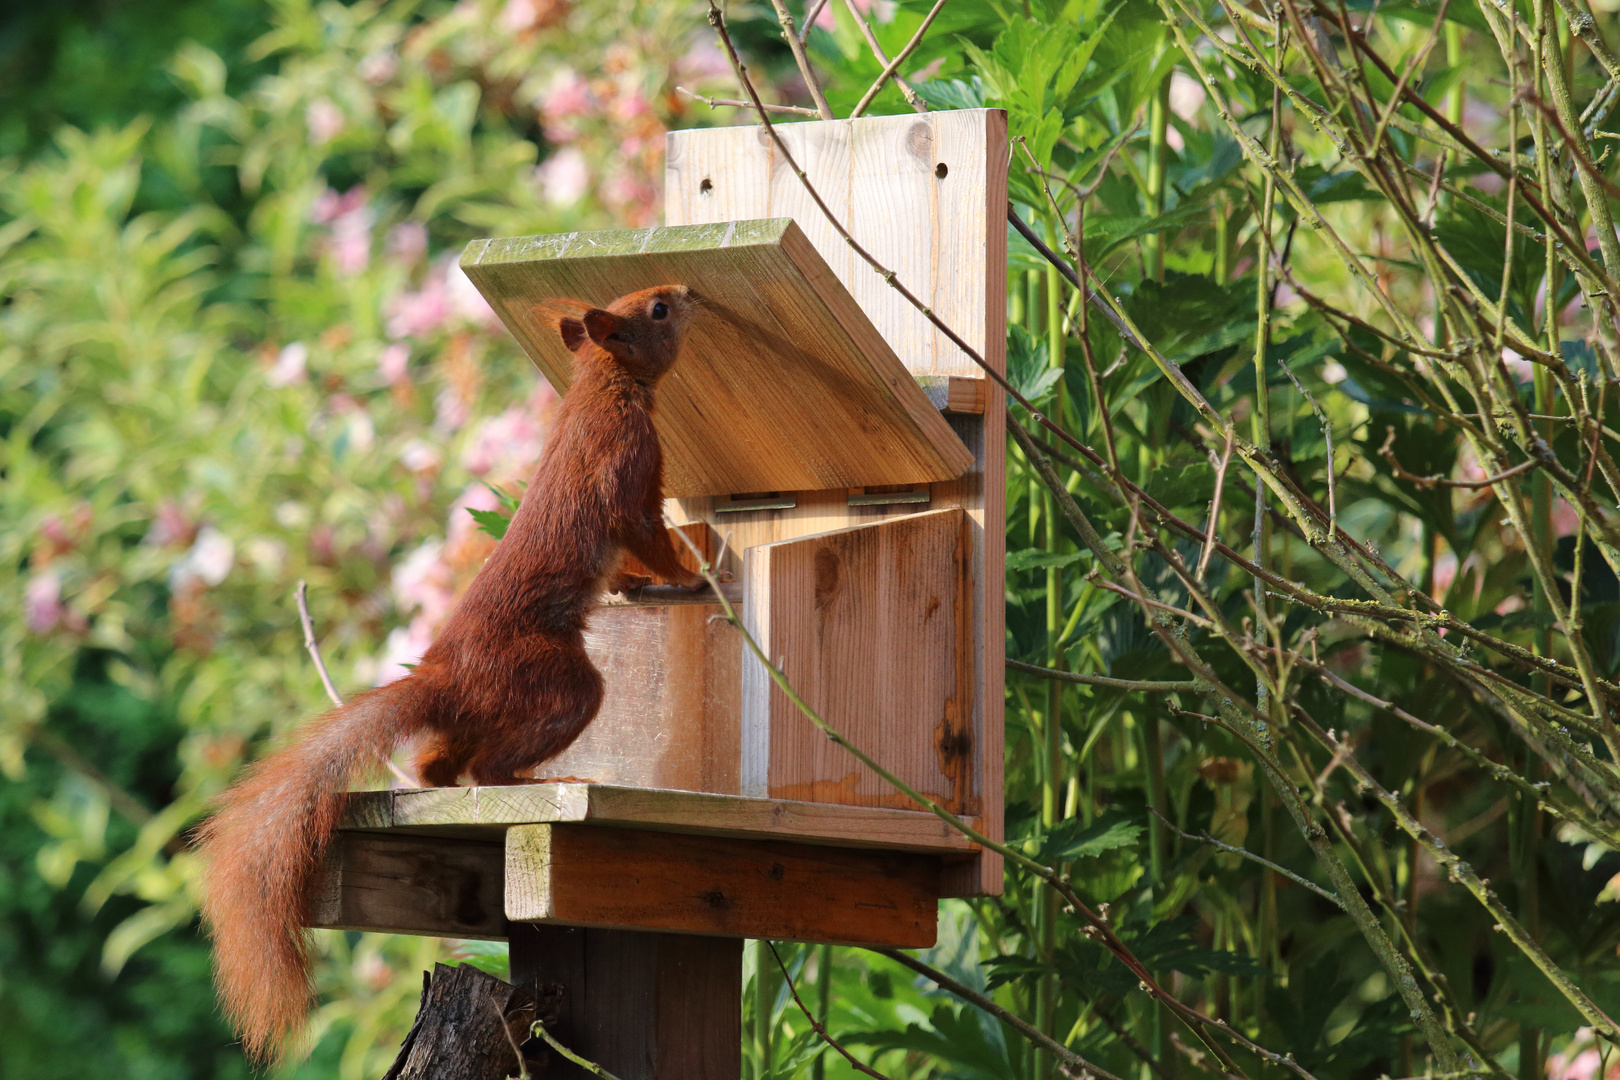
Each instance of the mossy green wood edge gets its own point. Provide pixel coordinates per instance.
(783, 385)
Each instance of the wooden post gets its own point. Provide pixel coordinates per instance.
(644, 1006)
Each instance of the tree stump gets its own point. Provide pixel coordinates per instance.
(467, 1028)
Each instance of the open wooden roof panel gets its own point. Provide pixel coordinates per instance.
(783, 384)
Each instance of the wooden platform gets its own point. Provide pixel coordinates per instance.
(485, 813)
(783, 384)
(469, 862)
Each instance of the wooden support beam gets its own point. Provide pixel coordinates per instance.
(411, 885)
(644, 1006)
(623, 878)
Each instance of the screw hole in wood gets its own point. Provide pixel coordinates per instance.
(941, 170)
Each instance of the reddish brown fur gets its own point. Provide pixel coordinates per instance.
(506, 685)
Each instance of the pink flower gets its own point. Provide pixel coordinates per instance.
(423, 582)
(408, 241)
(351, 241)
(564, 177)
(446, 294)
(209, 561)
(289, 365)
(42, 602)
(324, 120)
(378, 67)
(703, 61)
(514, 438)
(420, 456)
(330, 205)
(405, 645)
(569, 95)
(170, 525)
(418, 314)
(393, 364)
(630, 196)
(450, 410)
(518, 15)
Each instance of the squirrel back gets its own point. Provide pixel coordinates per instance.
(505, 686)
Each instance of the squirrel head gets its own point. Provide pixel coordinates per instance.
(640, 331)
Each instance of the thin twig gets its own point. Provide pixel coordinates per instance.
(1071, 1062)
(309, 641)
(817, 1026)
(883, 57)
(517, 1051)
(1206, 838)
(1215, 506)
(810, 18)
(1387, 452)
(790, 34)
(730, 103)
(326, 680)
(1147, 686)
(899, 58)
(584, 1063)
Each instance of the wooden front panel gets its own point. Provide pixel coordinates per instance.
(871, 626)
(588, 876)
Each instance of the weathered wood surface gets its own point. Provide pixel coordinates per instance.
(397, 884)
(644, 1006)
(465, 1028)
(873, 628)
(486, 812)
(783, 382)
(669, 711)
(882, 177)
(945, 237)
(624, 879)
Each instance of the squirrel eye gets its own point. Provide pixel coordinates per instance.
(660, 310)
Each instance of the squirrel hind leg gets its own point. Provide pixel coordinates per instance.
(442, 760)
(567, 692)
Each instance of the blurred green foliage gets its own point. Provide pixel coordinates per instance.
(235, 354)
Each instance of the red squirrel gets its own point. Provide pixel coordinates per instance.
(505, 686)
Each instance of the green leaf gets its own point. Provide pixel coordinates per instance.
(1070, 839)
(492, 522)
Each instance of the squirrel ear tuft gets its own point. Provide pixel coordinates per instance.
(599, 324)
(573, 333)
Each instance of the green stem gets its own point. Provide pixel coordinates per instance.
(824, 978)
(1158, 126)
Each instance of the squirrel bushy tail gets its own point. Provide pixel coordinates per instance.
(265, 843)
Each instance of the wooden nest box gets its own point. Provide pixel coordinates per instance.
(848, 461)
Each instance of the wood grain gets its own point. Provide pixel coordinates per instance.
(484, 813)
(644, 1006)
(396, 884)
(783, 383)
(945, 237)
(623, 878)
(871, 625)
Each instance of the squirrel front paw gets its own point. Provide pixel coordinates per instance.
(623, 583)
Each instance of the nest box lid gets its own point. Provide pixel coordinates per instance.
(783, 383)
